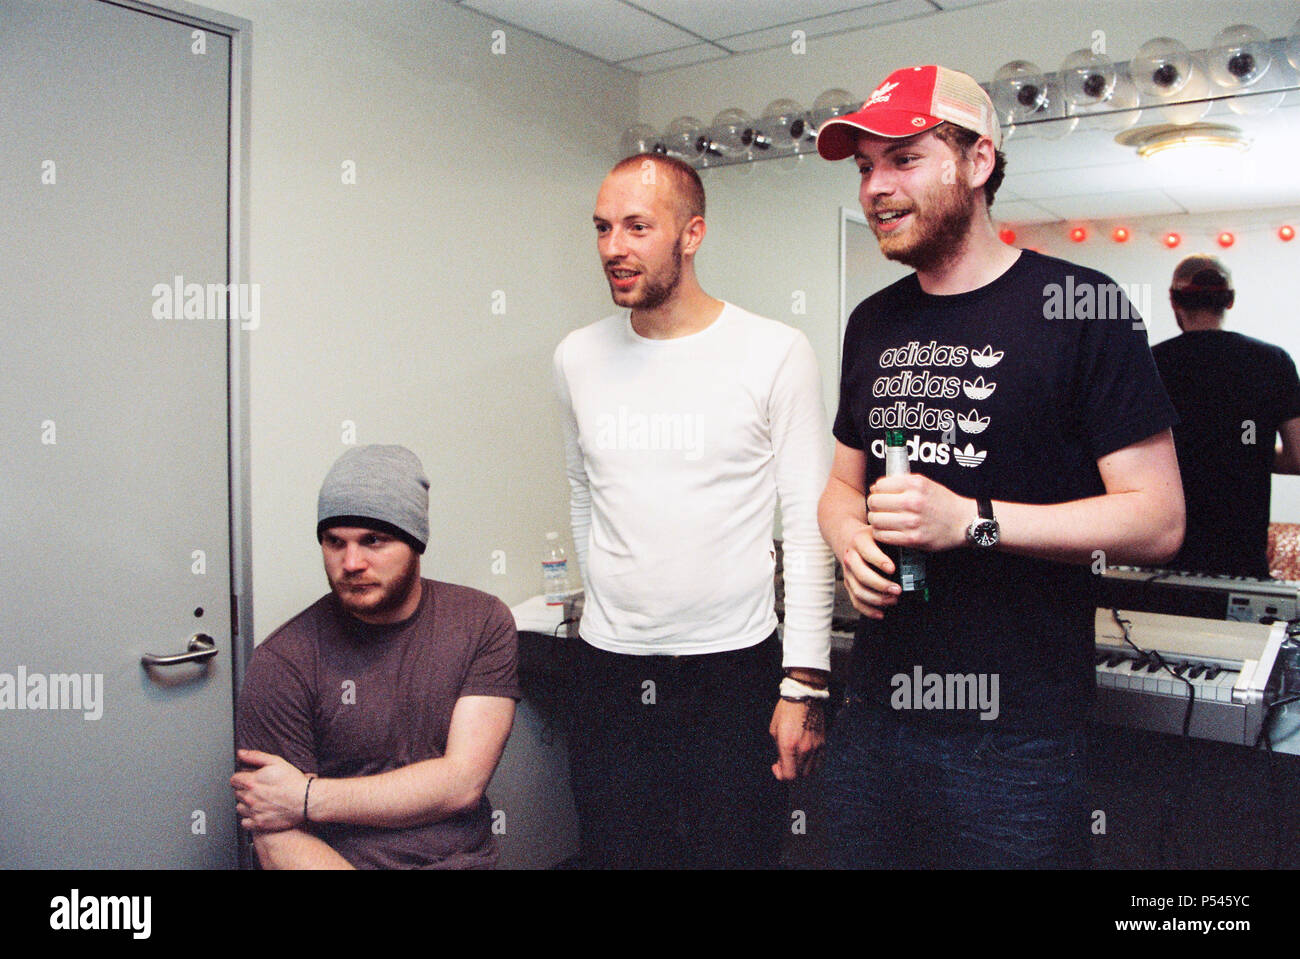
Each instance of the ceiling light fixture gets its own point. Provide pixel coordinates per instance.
(1153, 140)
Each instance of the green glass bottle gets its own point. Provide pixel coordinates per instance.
(910, 562)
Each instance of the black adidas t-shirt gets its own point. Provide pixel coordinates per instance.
(1012, 392)
(1232, 393)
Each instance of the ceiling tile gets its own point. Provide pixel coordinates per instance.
(713, 20)
(1020, 211)
(1213, 198)
(684, 56)
(1093, 206)
(875, 15)
(607, 29)
(1070, 180)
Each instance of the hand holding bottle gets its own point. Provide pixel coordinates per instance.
(867, 572)
(915, 511)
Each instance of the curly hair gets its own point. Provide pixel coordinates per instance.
(961, 140)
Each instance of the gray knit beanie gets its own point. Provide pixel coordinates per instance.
(377, 487)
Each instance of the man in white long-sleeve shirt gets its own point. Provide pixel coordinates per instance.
(686, 419)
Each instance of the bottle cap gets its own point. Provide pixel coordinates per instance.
(894, 438)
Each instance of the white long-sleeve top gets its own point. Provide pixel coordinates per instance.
(677, 451)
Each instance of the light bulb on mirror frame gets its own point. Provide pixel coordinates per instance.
(685, 139)
(830, 104)
(782, 125)
(1169, 76)
(1161, 68)
(641, 138)
(731, 134)
(1239, 56)
(1118, 113)
(1088, 79)
(1020, 92)
(1190, 104)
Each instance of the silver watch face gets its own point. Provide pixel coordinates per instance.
(983, 532)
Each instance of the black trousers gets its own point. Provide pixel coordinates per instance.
(670, 759)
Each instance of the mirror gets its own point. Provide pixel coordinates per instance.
(787, 238)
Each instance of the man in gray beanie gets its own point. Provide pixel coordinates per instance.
(381, 489)
(370, 724)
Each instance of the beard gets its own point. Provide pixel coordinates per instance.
(941, 222)
(656, 290)
(379, 600)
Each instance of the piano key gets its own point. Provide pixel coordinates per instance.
(1223, 685)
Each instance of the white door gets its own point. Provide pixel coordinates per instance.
(115, 488)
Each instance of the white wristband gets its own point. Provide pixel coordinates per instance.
(793, 689)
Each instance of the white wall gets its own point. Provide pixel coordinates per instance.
(475, 173)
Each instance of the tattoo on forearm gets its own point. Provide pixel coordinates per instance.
(814, 720)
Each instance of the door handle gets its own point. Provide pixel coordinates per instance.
(200, 649)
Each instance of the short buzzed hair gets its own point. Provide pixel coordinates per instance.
(1186, 271)
(688, 191)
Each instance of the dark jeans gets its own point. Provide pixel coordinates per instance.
(903, 794)
(670, 759)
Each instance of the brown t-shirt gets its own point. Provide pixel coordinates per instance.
(340, 698)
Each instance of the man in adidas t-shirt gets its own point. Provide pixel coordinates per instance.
(1039, 439)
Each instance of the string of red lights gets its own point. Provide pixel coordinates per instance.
(1171, 239)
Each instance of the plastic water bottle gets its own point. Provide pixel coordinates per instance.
(555, 571)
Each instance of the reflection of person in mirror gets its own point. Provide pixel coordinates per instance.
(370, 723)
(1234, 396)
(1038, 443)
(686, 419)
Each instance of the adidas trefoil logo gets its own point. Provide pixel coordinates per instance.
(973, 423)
(986, 357)
(977, 389)
(880, 94)
(968, 456)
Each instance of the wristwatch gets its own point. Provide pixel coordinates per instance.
(983, 529)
